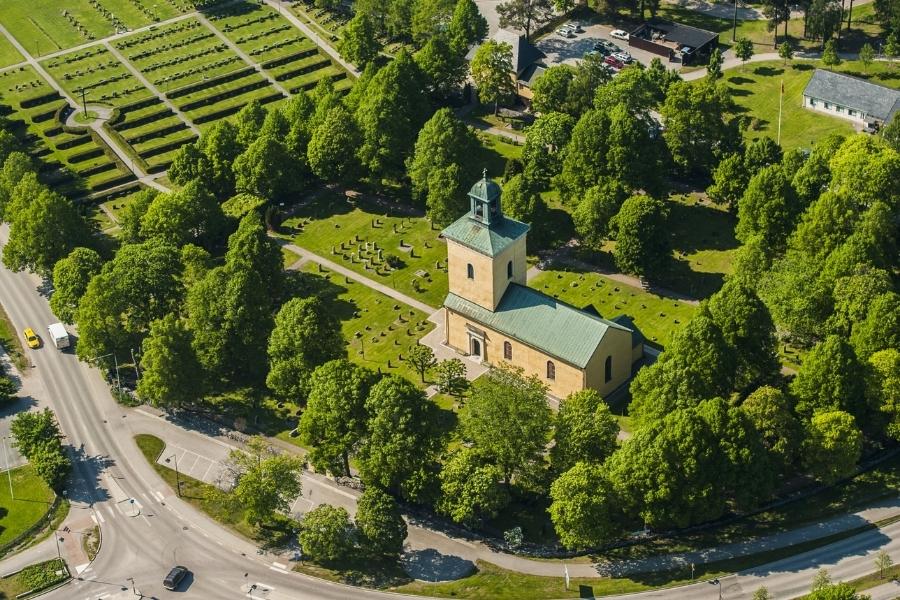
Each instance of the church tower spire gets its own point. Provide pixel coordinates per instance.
(484, 199)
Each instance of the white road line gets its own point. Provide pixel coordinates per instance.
(81, 568)
(280, 565)
(207, 471)
(94, 519)
(278, 570)
(159, 495)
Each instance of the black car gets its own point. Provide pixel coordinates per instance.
(174, 577)
(601, 48)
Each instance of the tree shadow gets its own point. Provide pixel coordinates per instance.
(768, 71)
(696, 284)
(803, 67)
(430, 565)
(699, 227)
(88, 487)
(740, 93)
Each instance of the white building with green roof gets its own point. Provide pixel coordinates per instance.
(492, 316)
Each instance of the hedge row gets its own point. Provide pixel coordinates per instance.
(38, 100)
(212, 82)
(225, 112)
(43, 116)
(52, 131)
(163, 148)
(126, 108)
(207, 101)
(97, 169)
(305, 87)
(303, 70)
(160, 114)
(283, 60)
(150, 135)
(110, 183)
(73, 142)
(86, 155)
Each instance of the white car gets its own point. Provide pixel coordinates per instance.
(623, 56)
(619, 34)
(565, 32)
(575, 26)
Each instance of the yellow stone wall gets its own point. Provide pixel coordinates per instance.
(615, 343)
(490, 281)
(568, 377)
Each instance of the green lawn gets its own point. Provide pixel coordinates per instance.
(323, 224)
(32, 500)
(386, 328)
(655, 316)
(47, 27)
(755, 88)
(8, 53)
(99, 73)
(11, 342)
(32, 577)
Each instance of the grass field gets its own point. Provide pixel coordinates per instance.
(32, 577)
(386, 328)
(655, 316)
(32, 500)
(8, 53)
(11, 342)
(43, 28)
(324, 224)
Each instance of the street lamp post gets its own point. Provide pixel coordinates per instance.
(8, 472)
(177, 477)
(116, 363)
(718, 583)
(734, 23)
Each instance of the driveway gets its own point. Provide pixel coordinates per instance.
(571, 50)
(488, 9)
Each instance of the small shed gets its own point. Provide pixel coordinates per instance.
(676, 42)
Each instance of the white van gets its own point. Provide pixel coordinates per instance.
(59, 335)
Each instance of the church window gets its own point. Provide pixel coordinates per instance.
(470, 271)
(551, 370)
(507, 351)
(509, 270)
(608, 374)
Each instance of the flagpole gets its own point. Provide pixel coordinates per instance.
(780, 103)
(566, 568)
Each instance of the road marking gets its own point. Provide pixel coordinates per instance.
(81, 568)
(278, 570)
(280, 565)
(207, 471)
(94, 519)
(100, 516)
(159, 495)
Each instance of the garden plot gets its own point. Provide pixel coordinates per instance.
(179, 54)
(97, 74)
(75, 161)
(45, 27)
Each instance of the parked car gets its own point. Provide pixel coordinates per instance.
(601, 49)
(31, 338)
(175, 576)
(624, 57)
(565, 32)
(614, 62)
(575, 26)
(619, 34)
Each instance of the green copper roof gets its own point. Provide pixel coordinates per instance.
(490, 240)
(536, 319)
(485, 189)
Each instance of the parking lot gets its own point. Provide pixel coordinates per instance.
(559, 49)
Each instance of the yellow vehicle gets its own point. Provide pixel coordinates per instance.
(31, 338)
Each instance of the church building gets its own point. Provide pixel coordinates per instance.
(492, 315)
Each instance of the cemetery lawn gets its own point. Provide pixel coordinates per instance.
(657, 317)
(8, 53)
(387, 328)
(324, 223)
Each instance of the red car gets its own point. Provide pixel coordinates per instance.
(614, 62)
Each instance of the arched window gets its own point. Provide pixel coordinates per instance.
(509, 270)
(507, 351)
(551, 370)
(470, 271)
(608, 376)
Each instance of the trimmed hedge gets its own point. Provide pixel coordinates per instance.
(161, 114)
(96, 170)
(53, 131)
(111, 183)
(199, 87)
(42, 99)
(74, 142)
(86, 155)
(283, 60)
(163, 148)
(303, 70)
(156, 133)
(44, 116)
(210, 100)
(126, 108)
(305, 87)
(219, 114)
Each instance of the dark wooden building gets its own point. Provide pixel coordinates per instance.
(674, 41)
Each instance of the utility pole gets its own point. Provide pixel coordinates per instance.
(84, 101)
(118, 381)
(135, 363)
(8, 472)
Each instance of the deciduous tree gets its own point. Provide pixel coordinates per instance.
(833, 445)
(594, 213)
(359, 44)
(585, 431)
(642, 244)
(332, 148)
(585, 510)
(171, 375)
(830, 378)
(71, 276)
(326, 534)
(380, 524)
(525, 15)
(491, 69)
(471, 487)
(269, 487)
